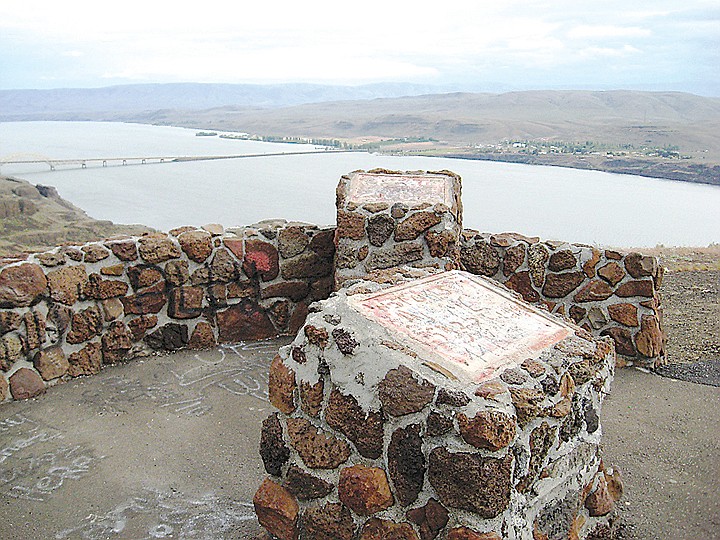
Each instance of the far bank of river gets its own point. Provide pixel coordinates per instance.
(551, 202)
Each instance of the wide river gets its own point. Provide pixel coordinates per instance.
(554, 203)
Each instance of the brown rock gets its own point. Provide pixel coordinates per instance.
(577, 313)
(491, 389)
(344, 341)
(614, 482)
(537, 259)
(261, 258)
(330, 522)
(383, 529)
(67, 284)
(560, 285)
(350, 225)
(9, 321)
(401, 394)
(25, 384)
(114, 270)
(415, 224)
(533, 367)
(4, 387)
(34, 330)
(649, 340)
(311, 397)
(245, 321)
(406, 463)
(85, 325)
(438, 424)
(397, 255)
(626, 314)
(292, 241)
(463, 533)
(236, 246)
(562, 260)
(612, 273)
(179, 230)
(102, 289)
(125, 251)
(442, 244)
(380, 228)
(72, 253)
(527, 403)
(223, 268)
(470, 481)
(116, 342)
(623, 340)
(215, 229)
(365, 430)
(143, 276)
(317, 450)
(282, 386)
(295, 290)
(202, 337)
(480, 258)
(51, 363)
(86, 361)
(177, 272)
(589, 266)
(304, 485)
(95, 253)
(277, 510)
(156, 248)
(514, 258)
(169, 337)
(454, 398)
(139, 325)
(273, 450)
(365, 490)
(323, 243)
(197, 245)
(430, 519)
(639, 266)
(307, 265)
(600, 502)
(142, 304)
(185, 302)
(567, 385)
(297, 320)
(593, 291)
(488, 429)
(521, 283)
(636, 288)
(11, 350)
(242, 289)
(50, 259)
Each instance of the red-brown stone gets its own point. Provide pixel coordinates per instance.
(415, 224)
(612, 273)
(463, 533)
(197, 245)
(527, 403)
(480, 258)
(430, 519)
(593, 291)
(143, 276)
(86, 361)
(294, 290)
(317, 336)
(406, 463)
(488, 429)
(636, 288)
(94, 253)
(282, 386)
(491, 389)
(116, 342)
(560, 285)
(623, 340)
(9, 321)
(317, 450)
(626, 314)
(185, 302)
(4, 387)
(51, 363)
(304, 485)
(330, 522)
(223, 268)
(514, 258)
(365, 490)
(383, 529)
(156, 248)
(562, 260)
(600, 502)
(350, 225)
(311, 397)
(67, 284)
(125, 251)
(589, 266)
(273, 450)
(139, 325)
(177, 272)
(307, 265)
(441, 244)
(102, 289)
(521, 283)
(649, 340)
(245, 321)
(142, 304)
(25, 384)
(202, 337)
(639, 266)
(401, 394)
(85, 325)
(277, 510)
(261, 258)
(34, 329)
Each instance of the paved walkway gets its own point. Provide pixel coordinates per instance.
(167, 447)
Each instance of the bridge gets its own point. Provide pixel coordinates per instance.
(28, 159)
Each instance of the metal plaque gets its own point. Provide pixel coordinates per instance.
(466, 324)
(392, 188)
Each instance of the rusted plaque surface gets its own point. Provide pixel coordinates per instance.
(465, 324)
(392, 188)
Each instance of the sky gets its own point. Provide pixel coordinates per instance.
(474, 45)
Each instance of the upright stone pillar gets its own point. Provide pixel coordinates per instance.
(388, 219)
(442, 407)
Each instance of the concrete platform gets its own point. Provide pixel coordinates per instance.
(167, 447)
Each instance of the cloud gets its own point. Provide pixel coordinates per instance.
(606, 31)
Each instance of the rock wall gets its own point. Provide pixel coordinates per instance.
(370, 441)
(606, 292)
(69, 311)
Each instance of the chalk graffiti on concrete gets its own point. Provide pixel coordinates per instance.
(155, 514)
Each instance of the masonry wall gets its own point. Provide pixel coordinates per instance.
(606, 292)
(69, 311)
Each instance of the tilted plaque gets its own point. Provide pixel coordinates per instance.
(465, 324)
(406, 188)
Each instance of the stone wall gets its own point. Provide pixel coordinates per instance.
(69, 311)
(371, 441)
(606, 292)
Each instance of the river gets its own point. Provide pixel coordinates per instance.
(555, 203)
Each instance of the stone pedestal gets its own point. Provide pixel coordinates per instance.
(388, 219)
(441, 407)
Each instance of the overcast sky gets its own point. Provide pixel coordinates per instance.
(477, 44)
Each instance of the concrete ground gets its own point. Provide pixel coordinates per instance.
(167, 447)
